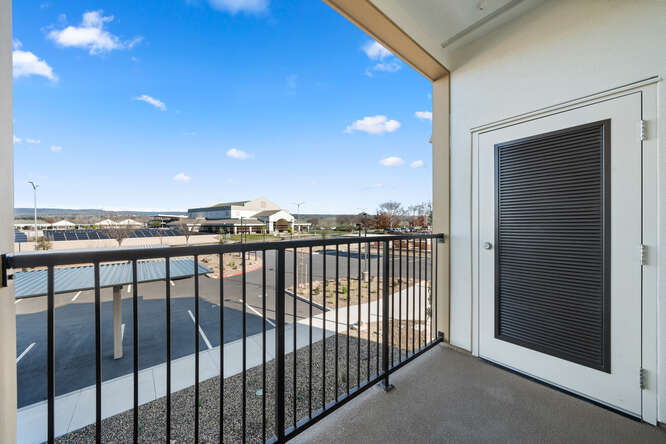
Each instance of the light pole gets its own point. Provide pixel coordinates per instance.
(298, 211)
(34, 191)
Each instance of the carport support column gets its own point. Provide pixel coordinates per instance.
(117, 323)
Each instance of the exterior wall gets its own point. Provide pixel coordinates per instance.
(7, 307)
(262, 204)
(238, 212)
(557, 52)
(223, 213)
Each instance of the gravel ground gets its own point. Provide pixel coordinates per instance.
(152, 418)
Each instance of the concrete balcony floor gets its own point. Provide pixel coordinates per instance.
(450, 396)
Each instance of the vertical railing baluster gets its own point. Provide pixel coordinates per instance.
(294, 379)
(279, 345)
(420, 291)
(337, 279)
(348, 295)
(323, 339)
(196, 348)
(310, 334)
(135, 327)
(244, 327)
(414, 296)
(436, 242)
(221, 261)
(385, 316)
(167, 268)
(358, 319)
(50, 326)
(98, 351)
(392, 302)
(367, 249)
(400, 302)
(263, 345)
(407, 319)
(379, 300)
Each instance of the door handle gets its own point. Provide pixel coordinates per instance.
(487, 246)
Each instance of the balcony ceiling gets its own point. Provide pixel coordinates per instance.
(444, 27)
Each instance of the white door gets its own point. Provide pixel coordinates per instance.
(559, 260)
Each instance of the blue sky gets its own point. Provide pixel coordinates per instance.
(158, 105)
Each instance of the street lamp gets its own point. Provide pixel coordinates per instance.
(298, 211)
(34, 190)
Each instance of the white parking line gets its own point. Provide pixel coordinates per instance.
(76, 296)
(256, 312)
(203, 335)
(17, 301)
(129, 288)
(25, 352)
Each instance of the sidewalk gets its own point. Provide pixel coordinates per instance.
(77, 409)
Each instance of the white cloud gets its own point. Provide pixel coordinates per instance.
(374, 125)
(25, 63)
(387, 67)
(416, 164)
(17, 139)
(33, 141)
(375, 51)
(56, 148)
(181, 177)
(152, 101)
(424, 115)
(91, 35)
(236, 6)
(391, 161)
(238, 154)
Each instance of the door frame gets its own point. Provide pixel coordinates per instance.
(650, 222)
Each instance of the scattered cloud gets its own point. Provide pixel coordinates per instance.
(375, 51)
(91, 35)
(291, 81)
(392, 66)
(56, 148)
(32, 141)
(375, 186)
(182, 177)
(152, 101)
(238, 154)
(391, 161)
(26, 63)
(236, 6)
(374, 125)
(423, 115)
(416, 164)
(17, 139)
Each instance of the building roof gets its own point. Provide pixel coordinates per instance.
(267, 213)
(130, 222)
(245, 221)
(64, 223)
(33, 283)
(106, 222)
(221, 205)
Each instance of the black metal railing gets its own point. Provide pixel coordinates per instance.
(400, 334)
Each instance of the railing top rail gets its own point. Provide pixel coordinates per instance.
(72, 257)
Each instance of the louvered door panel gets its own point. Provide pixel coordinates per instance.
(552, 256)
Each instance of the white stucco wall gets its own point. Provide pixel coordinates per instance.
(7, 308)
(557, 52)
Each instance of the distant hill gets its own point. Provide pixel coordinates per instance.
(72, 213)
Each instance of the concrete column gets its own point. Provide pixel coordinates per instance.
(7, 307)
(441, 212)
(117, 323)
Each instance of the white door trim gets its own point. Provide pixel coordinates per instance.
(651, 175)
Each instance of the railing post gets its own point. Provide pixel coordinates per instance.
(279, 344)
(385, 319)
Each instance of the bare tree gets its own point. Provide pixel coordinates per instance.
(185, 229)
(393, 210)
(119, 234)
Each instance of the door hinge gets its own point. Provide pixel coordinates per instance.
(642, 376)
(644, 254)
(642, 129)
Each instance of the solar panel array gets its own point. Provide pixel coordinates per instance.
(62, 235)
(19, 236)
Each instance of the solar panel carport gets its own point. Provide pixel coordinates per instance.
(33, 283)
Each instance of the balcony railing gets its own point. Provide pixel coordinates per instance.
(405, 325)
